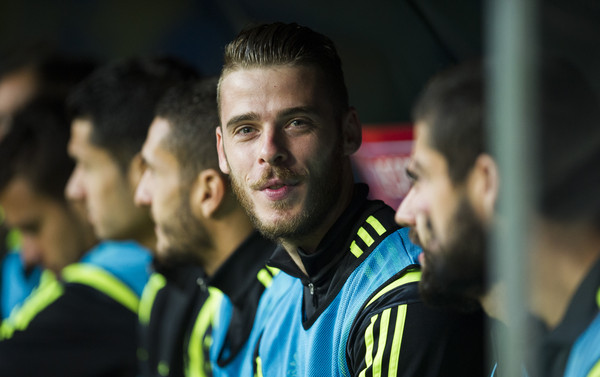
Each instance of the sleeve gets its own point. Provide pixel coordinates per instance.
(79, 332)
(398, 335)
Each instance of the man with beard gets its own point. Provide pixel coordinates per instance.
(204, 237)
(451, 207)
(347, 297)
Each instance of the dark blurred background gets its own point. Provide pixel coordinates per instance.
(388, 47)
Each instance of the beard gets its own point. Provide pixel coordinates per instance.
(456, 275)
(322, 194)
(186, 236)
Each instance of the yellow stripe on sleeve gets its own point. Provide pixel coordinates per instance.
(383, 330)
(155, 284)
(409, 277)
(369, 341)
(208, 312)
(380, 229)
(103, 281)
(365, 236)
(397, 340)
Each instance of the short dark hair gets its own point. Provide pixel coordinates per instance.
(287, 44)
(119, 99)
(35, 149)
(452, 106)
(191, 110)
(568, 150)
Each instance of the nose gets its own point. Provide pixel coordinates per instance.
(143, 195)
(31, 251)
(273, 151)
(75, 189)
(406, 212)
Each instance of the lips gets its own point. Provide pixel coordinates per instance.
(277, 189)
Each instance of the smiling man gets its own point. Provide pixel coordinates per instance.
(348, 299)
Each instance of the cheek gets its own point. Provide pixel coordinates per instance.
(442, 213)
(163, 202)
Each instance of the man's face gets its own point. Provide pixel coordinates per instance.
(281, 143)
(107, 192)
(447, 227)
(51, 233)
(179, 233)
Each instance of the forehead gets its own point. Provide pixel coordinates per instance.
(154, 146)
(20, 201)
(80, 144)
(270, 88)
(424, 156)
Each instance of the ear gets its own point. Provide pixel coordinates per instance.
(207, 193)
(351, 132)
(136, 170)
(483, 186)
(223, 165)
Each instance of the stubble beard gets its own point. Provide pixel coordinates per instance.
(187, 238)
(322, 194)
(456, 275)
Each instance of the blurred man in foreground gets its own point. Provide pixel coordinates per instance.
(80, 321)
(452, 208)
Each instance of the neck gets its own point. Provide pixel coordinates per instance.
(562, 256)
(227, 234)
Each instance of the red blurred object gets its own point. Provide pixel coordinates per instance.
(382, 159)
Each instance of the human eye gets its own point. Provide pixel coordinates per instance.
(299, 124)
(412, 175)
(244, 131)
(30, 228)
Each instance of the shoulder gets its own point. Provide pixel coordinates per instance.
(126, 261)
(420, 339)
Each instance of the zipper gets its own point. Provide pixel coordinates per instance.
(311, 290)
(202, 284)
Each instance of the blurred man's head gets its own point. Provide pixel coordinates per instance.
(452, 202)
(33, 175)
(112, 110)
(180, 157)
(454, 190)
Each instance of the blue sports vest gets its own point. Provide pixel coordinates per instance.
(128, 261)
(242, 364)
(584, 359)
(118, 269)
(287, 349)
(16, 285)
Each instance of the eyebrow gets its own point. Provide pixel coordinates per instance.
(297, 110)
(242, 118)
(252, 116)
